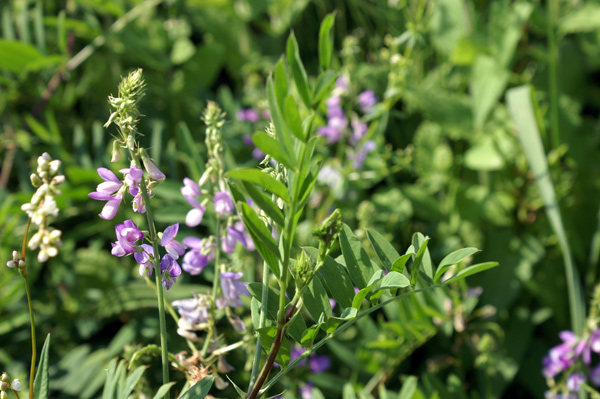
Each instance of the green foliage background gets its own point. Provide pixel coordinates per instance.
(450, 165)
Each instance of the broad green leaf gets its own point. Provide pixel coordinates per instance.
(386, 253)
(348, 391)
(266, 246)
(264, 203)
(326, 41)
(282, 131)
(41, 382)
(316, 300)
(262, 179)
(583, 19)
(452, 259)
(399, 263)
(520, 107)
(298, 72)
(469, 271)
(323, 86)
(292, 118)
(311, 333)
(356, 258)
(309, 183)
(334, 322)
(393, 280)
(200, 389)
(409, 386)
(362, 294)
(16, 56)
(269, 145)
(297, 327)
(335, 277)
(162, 391)
(267, 337)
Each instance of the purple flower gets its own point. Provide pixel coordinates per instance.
(138, 204)
(306, 391)
(191, 311)
(133, 176)
(170, 270)
(319, 364)
(190, 188)
(595, 376)
(562, 356)
(595, 341)
(332, 303)
(295, 353)
(247, 115)
(359, 130)
(367, 99)
(145, 259)
(223, 203)
(200, 254)
(173, 247)
(336, 121)
(574, 382)
(106, 192)
(329, 176)
(127, 234)
(359, 158)
(151, 168)
(232, 289)
(190, 191)
(342, 83)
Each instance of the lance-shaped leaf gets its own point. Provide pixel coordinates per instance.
(418, 240)
(162, 391)
(334, 322)
(326, 41)
(272, 147)
(400, 263)
(263, 179)
(298, 72)
(335, 278)
(297, 327)
(386, 253)
(362, 294)
(324, 85)
(316, 300)
(469, 271)
(292, 118)
(239, 390)
(42, 379)
(267, 337)
(264, 203)
(266, 246)
(282, 132)
(356, 258)
(416, 265)
(452, 259)
(310, 334)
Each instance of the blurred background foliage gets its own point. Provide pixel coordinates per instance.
(448, 164)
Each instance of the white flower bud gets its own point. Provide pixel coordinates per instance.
(35, 241)
(55, 235)
(3, 395)
(21, 264)
(35, 180)
(4, 386)
(42, 256)
(153, 171)
(4, 376)
(16, 385)
(54, 165)
(10, 264)
(52, 251)
(116, 152)
(59, 179)
(131, 142)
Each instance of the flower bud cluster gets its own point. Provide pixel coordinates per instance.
(5, 385)
(43, 205)
(131, 90)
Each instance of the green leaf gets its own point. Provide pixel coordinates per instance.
(280, 83)
(239, 390)
(162, 391)
(326, 41)
(323, 86)
(298, 72)
(452, 259)
(311, 333)
(262, 179)
(267, 337)
(282, 131)
(41, 382)
(469, 271)
(309, 183)
(266, 246)
(348, 391)
(269, 145)
(362, 294)
(386, 253)
(335, 277)
(200, 389)
(419, 241)
(487, 85)
(334, 322)
(292, 118)
(297, 327)
(131, 381)
(356, 258)
(409, 386)
(583, 19)
(399, 263)
(393, 280)
(316, 300)
(264, 203)
(15, 56)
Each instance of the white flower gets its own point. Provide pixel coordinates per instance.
(16, 385)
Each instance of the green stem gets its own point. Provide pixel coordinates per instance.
(158, 279)
(23, 273)
(261, 323)
(215, 286)
(552, 69)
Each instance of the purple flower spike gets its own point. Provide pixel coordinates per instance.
(319, 364)
(127, 234)
(170, 270)
(367, 99)
(223, 203)
(173, 247)
(574, 382)
(232, 289)
(145, 259)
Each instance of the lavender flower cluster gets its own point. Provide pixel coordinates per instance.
(317, 364)
(572, 356)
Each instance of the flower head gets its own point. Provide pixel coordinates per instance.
(232, 289)
(201, 252)
(170, 270)
(145, 259)
(172, 246)
(127, 235)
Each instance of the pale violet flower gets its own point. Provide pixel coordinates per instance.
(172, 246)
(223, 203)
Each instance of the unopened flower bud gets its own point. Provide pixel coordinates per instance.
(21, 264)
(3, 395)
(10, 264)
(54, 165)
(35, 180)
(42, 256)
(153, 171)
(16, 385)
(329, 230)
(4, 376)
(4, 386)
(43, 160)
(116, 155)
(56, 180)
(131, 142)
